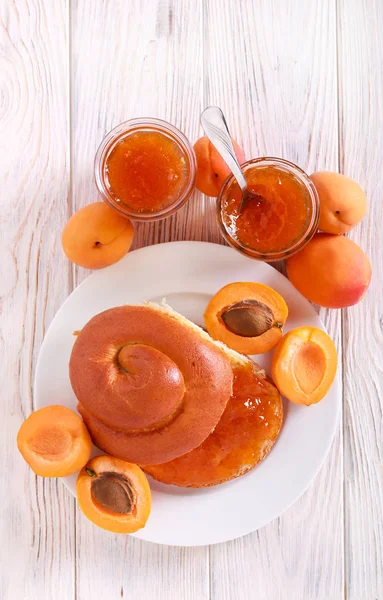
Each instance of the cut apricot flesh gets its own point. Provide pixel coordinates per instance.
(304, 365)
(114, 494)
(248, 317)
(54, 441)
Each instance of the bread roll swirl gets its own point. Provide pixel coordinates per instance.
(150, 388)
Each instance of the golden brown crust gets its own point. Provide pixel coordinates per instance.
(150, 388)
(241, 471)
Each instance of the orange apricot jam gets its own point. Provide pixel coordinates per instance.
(145, 169)
(282, 216)
(245, 434)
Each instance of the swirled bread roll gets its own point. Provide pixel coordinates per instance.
(151, 385)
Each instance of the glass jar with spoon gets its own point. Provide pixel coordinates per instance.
(268, 208)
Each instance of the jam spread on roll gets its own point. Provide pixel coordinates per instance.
(243, 437)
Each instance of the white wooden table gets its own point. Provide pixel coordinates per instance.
(298, 79)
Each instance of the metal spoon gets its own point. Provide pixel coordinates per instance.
(214, 125)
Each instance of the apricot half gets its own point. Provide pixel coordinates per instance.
(211, 168)
(248, 317)
(96, 236)
(114, 494)
(342, 202)
(304, 365)
(331, 271)
(54, 441)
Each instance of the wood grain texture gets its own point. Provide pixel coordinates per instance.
(154, 70)
(361, 151)
(297, 80)
(37, 516)
(278, 91)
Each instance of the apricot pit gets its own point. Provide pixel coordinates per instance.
(113, 491)
(248, 318)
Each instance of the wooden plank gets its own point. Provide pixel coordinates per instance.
(361, 151)
(37, 516)
(276, 81)
(135, 59)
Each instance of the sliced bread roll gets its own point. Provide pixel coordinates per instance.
(152, 385)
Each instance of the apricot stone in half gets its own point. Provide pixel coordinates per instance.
(114, 494)
(248, 317)
(304, 365)
(54, 441)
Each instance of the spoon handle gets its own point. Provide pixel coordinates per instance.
(215, 126)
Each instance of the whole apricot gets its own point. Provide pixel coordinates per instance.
(96, 236)
(331, 271)
(211, 168)
(342, 202)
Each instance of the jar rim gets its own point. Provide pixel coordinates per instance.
(121, 131)
(307, 232)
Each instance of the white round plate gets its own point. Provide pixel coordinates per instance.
(187, 274)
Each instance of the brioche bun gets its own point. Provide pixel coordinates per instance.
(151, 385)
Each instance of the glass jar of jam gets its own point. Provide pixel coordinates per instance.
(145, 169)
(281, 217)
